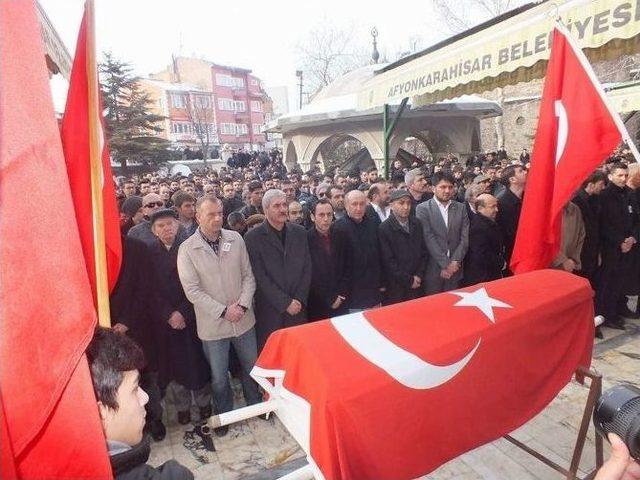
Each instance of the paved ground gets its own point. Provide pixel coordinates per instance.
(261, 450)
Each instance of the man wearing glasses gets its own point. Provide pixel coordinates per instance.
(152, 202)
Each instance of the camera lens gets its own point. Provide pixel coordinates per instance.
(618, 411)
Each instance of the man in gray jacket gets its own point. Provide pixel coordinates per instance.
(446, 232)
(216, 275)
(281, 263)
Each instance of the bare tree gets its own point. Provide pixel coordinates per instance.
(460, 16)
(328, 52)
(201, 116)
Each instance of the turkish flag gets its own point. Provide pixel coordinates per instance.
(79, 118)
(394, 393)
(576, 133)
(50, 426)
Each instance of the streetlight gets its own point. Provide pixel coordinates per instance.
(299, 75)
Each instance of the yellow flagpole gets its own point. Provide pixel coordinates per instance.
(96, 145)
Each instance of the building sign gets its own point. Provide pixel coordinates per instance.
(520, 41)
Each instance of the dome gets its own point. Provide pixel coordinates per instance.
(349, 83)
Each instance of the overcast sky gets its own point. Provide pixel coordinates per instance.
(254, 34)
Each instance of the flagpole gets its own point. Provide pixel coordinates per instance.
(97, 177)
(582, 58)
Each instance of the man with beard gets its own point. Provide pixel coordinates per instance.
(446, 232)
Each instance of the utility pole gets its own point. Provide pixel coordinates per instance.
(299, 75)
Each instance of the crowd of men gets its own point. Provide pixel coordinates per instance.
(216, 261)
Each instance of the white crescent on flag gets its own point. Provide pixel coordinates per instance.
(406, 367)
(563, 128)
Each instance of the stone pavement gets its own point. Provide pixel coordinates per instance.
(263, 450)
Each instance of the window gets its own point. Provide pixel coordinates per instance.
(257, 128)
(181, 127)
(233, 129)
(255, 82)
(210, 128)
(223, 80)
(226, 104)
(178, 100)
(240, 106)
(237, 82)
(256, 106)
(202, 101)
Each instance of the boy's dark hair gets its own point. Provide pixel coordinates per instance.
(508, 173)
(617, 166)
(442, 175)
(110, 354)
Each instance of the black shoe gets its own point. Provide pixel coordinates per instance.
(184, 417)
(205, 412)
(599, 333)
(221, 431)
(628, 313)
(158, 430)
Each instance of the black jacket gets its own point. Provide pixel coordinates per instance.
(282, 274)
(509, 206)
(618, 217)
(325, 266)
(485, 257)
(181, 357)
(132, 465)
(404, 255)
(361, 269)
(131, 300)
(589, 206)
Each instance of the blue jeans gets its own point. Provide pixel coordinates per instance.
(217, 353)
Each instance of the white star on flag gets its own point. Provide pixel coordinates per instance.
(480, 299)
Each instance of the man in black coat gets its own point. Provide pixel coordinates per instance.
(131, 303)
(587, 200)
(326, 295)
(183, 366)
(485, 258)
(618, 237)
(403, 250)
(281, 265)
(357, 244)
(514, 177)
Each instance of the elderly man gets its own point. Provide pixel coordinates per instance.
(485, 258)
(183, 366)
(446, 232)
(215, 272)
(282, 266)
(150, 203)
(404, 254)
(357, 244)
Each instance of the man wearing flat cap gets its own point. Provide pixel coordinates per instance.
(182, 365)
(403, 250)
(151, 203)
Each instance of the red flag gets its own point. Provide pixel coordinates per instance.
(83, 113)
(396, 392)
(50, 422)
(576, 133)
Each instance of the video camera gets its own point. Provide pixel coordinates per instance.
(618, 411)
